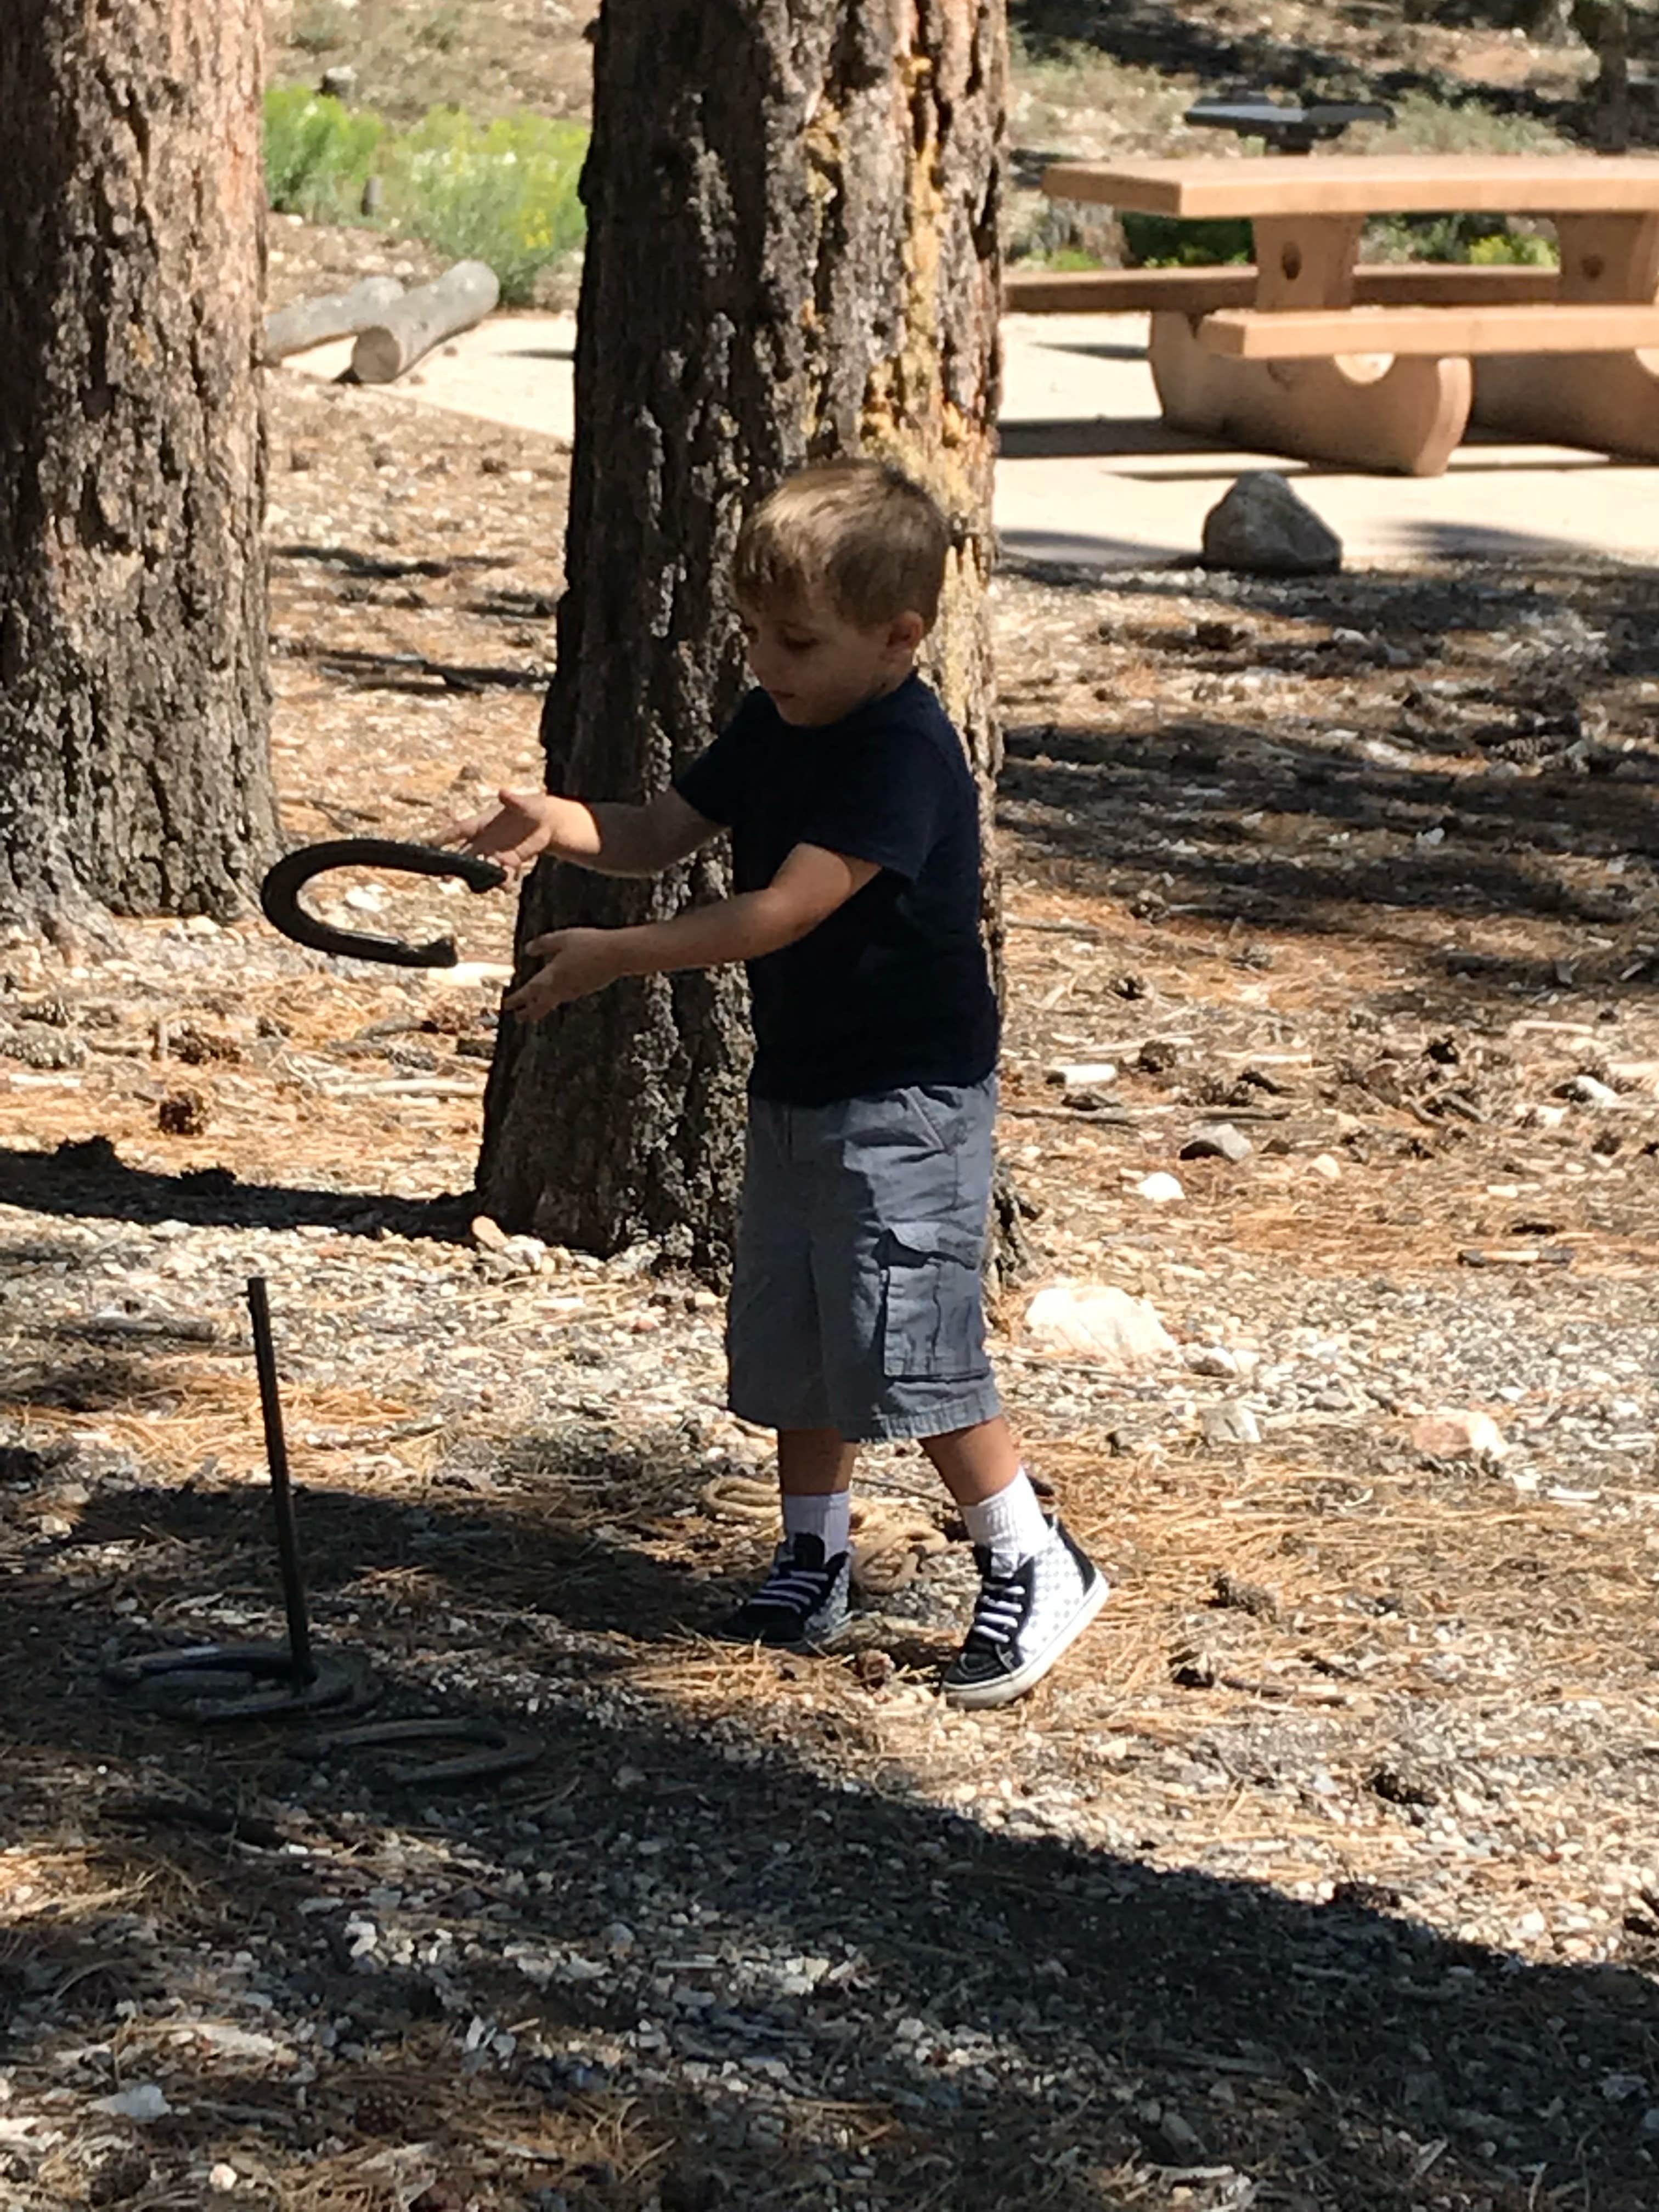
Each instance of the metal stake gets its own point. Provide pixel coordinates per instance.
(282, 1489)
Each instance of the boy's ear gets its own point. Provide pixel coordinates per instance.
(906, 633)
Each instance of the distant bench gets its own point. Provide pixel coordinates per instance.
(1311, 352)
(1203, 291)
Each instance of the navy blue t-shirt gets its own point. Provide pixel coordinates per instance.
(892, 988)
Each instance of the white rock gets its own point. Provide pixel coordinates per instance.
(466, 973)
(1229, 1425)
(143, 2101)
(1217, 1140)
(1262, 527)
(1095, 1320)
(1458, 1436)
(1589, 1091)
(222, 2178)
(1159, 1189)
(1211, 1359)
(1325, 1165)
(1084, 1074)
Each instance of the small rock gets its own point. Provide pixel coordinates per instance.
(1325, 1165)
(1082, 1075)
(1233, 1596)
(339, 82)
(1211, 1359)
(222, 2178)
(1159, 1189)
(489, 1235)
(1398, 1788)
(1589, 1090)
(1458, 1436)
(184, 1113)
(143, 2101)
(1094, 1320)
(1229, 1425)
(1263, 528)
(1216, 1141)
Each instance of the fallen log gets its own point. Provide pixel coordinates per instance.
(460, 298)
(310, 323)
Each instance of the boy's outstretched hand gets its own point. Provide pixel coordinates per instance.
(513, 832)
(579, 962)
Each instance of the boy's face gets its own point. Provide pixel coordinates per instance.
(817, 665)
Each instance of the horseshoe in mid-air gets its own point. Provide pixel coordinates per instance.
(279, 896)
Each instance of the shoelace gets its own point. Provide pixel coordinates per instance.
(997, 1615)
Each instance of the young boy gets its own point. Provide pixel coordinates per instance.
(855, 1308)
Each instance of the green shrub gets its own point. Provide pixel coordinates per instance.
(504, 192)
(318, 153)
(1525, 248)
(501, 192)
(1168, 242)
(1480, 237)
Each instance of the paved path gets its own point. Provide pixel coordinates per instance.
(1090, 479)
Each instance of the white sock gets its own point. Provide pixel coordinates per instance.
(823, 1514)
(1010, 1526)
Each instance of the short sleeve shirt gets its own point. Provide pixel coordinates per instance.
(892, 988)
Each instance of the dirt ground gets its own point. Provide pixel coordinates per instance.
(1322, 1876)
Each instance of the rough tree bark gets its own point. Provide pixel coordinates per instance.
(792, 252)
(133, 703)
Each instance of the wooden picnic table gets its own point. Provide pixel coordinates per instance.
(1381, 369)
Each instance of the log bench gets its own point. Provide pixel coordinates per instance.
(1313, 353)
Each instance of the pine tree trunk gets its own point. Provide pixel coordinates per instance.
(792, 252)
(134, 766)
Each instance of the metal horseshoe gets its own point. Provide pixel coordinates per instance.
(279, 896)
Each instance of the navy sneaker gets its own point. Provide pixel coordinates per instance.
(802, 1600)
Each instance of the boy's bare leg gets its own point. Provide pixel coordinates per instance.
(813, 1461)
(975, 1464)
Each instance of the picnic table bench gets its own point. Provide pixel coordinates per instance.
(1382, 366)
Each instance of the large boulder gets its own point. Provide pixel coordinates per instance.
(1263, 528)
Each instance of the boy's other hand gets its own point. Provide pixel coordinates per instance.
(513, 832)
(579, 962)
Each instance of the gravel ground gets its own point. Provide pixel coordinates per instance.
(1321, 1876)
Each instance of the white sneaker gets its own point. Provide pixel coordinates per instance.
(1024, 1621)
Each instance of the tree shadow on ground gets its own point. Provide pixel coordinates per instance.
(88, 1180)
(1152, 33)
(1013, 2019)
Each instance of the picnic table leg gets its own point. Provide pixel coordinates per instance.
(1362, 411)
(1607, 401)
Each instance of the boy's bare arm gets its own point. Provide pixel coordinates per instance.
(610, 839)
(807, 888)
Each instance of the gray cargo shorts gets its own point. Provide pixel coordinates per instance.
(856, 1297)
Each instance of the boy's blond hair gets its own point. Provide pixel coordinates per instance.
(860, 530)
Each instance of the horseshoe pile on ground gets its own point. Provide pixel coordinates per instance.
(890, 1541)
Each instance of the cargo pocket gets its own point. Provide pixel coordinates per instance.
(933, 1318)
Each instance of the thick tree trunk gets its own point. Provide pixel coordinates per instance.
(133, 703)
(792, 252)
